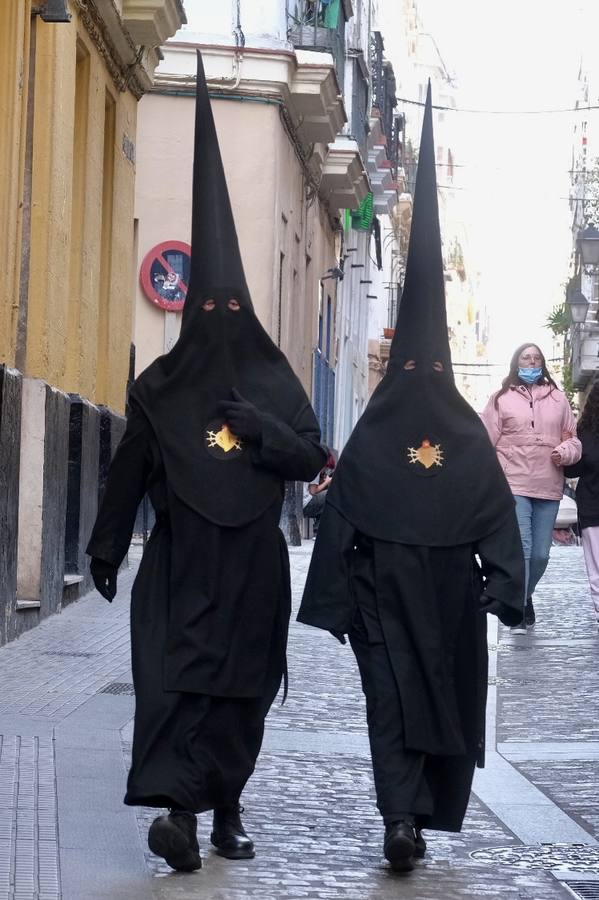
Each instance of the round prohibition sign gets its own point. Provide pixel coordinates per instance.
(164, 274)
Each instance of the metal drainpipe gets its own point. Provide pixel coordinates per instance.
(21, 335)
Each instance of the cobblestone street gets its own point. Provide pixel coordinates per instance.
(532, 829)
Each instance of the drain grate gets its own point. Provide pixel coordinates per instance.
(583, 890)
(117, 687)
(571, 857)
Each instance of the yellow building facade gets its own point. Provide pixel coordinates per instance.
(71, 76)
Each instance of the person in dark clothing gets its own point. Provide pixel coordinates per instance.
(417, 496)
(587, 490)
(315, 493)
(214, 429)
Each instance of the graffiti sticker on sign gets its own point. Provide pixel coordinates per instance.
(164, 274)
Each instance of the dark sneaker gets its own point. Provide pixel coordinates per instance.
(228, 834)
(520, 628)
(400, 846)
(174, 838)
(529, 614)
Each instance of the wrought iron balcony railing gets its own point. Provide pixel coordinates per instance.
(384, 98)
(318, 25)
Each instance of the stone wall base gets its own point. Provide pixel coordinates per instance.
(50, 462)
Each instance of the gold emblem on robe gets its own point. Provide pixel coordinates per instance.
(225, 439)
(427, 454)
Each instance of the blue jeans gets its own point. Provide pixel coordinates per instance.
(536, 519)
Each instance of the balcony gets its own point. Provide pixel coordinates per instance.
(344, 183)
(316, 25)
(384, 100)
(316, 98)
(385, 141)
(585, 354)
(151, 22)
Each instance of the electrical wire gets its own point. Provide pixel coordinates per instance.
(501, 112)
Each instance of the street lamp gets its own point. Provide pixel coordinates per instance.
(576, 302)
(588, 247)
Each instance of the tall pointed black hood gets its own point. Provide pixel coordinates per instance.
(215, 256)
(222, 346)
(421, 331)
(419, 467)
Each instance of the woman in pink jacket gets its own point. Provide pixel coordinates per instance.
(533, 429)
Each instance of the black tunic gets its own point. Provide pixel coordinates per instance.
(209, 615)
(430, 602)
(587, 471)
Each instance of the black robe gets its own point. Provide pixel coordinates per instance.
(209, 616)
(587, 471)
(431, 603)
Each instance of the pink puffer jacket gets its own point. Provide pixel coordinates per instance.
(524, 429)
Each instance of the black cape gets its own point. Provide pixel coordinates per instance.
(224, 495)
(218, 350)
(419, 467)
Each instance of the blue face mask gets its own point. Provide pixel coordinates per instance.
(530, 375)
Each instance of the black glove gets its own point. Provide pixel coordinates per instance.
(104, 575)
(242, 417)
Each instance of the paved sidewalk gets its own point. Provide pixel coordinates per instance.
(533, 822)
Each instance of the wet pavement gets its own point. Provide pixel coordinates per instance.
(531, 829)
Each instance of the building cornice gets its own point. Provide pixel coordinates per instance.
(130, 66)
(305, 82)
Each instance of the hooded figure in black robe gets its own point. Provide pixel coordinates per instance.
(214, 429)
(417, 496)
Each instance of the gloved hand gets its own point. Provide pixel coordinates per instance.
(104, 575)
(242, 417)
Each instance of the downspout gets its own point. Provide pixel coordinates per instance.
(21, 331)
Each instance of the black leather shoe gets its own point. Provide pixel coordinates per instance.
(174, 838)
(400, 846)
(419, 844)
(228, 834)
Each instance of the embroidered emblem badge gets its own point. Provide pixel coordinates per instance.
(225, 439)
(427, 454)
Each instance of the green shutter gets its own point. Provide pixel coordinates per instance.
(361, 218)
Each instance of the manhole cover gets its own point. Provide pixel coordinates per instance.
(117, 687)
(573, 857)
(583, 890)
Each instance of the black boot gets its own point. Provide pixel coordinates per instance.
(174, 838)
(228, 834)
(400, 846)
(419, 844)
